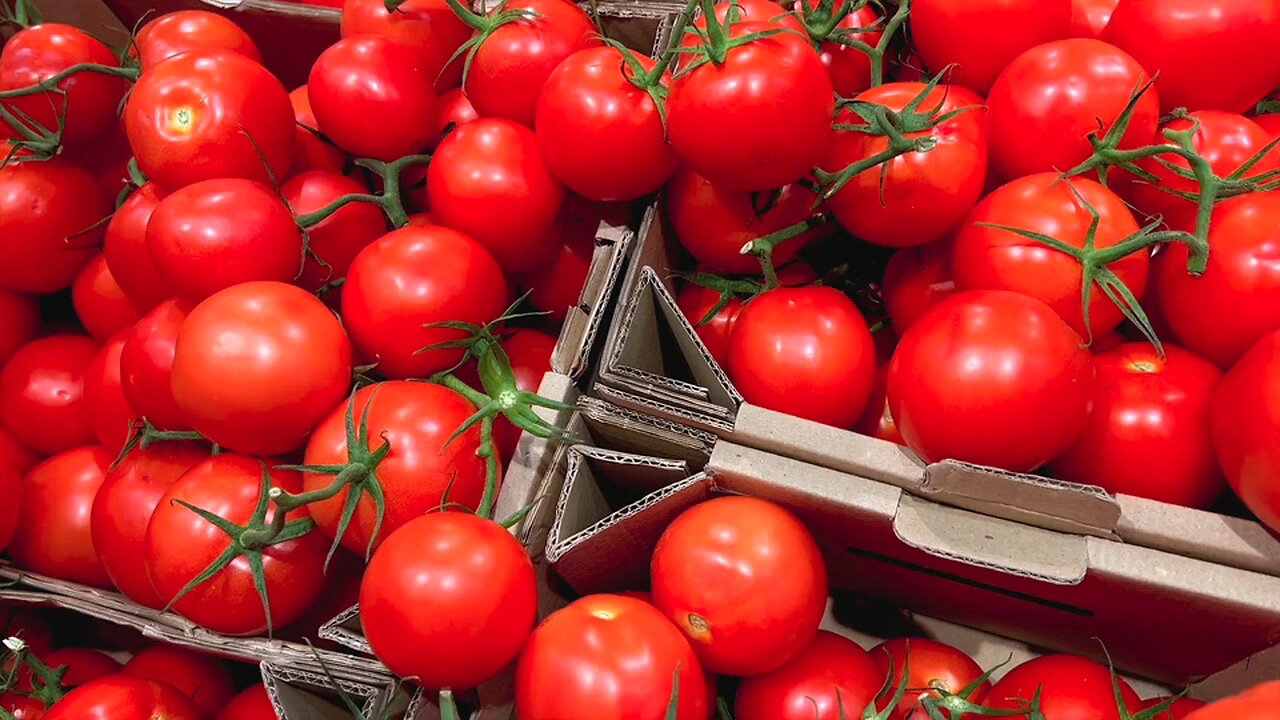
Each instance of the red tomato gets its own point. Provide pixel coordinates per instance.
(1269, 122)
(120, 697)
(123, 507)
(974, 377)
(146, 366)
(805, 352)
(1180, 710)
(916, 279)
(11, 488)
(1044, 105)
(1258, 703)
(1089, 17)
(47, 210)
(125, 249)
(530, 355)
(695, 302)
(1071, 688)
(609, 657)
(749, 10)
(1148, 434)
(335, 241)
(53, 529)
(1198, 47)
(849, 67)
(13, 452)
(203, 679)
(981, 37)
(22, 707)
(251, 704)
(1223, 312)
(42, 393)
(411, 277)
(488, 179)
(311, 152)
(877, 420)
(557, 285)
(830, 675)
(455, 109)
(415, 418)
(1246, 428)
(103, 308)
(371, 95)
(191, 117)
(928, 664)
(82, 665)
(187, 30)
(421, 593)
(105, 406)
(759, 120)
(428, 26)
(743, 579)
(883, 205)
(989, 258)
(230, 486)
(19, 322)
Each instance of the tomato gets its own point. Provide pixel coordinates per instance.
(203, 679)
(455, 109)
(14, 453)
(849, 67)
(100, 304)
(1246, 428)
(187, 30)
(918, 197)
(125, 249)
(695, 302)
(1223, 312)
(1071, 688)
(230, 486)
(759, 120)
(371, 95)
(22, 707)
(1261, 702)
(252, 704)
(609, 657)
(1089, 17)
(1269, 122)
(192, 118)
(48, 211)
(421, 593)
(749, 10)
(106, 408)
(82, 665)
(120, 697)
(805, 352)
(488, 179)
(415, 419)
(19, 322)
(36, 54)
(989, 258)
(53, 529)
(146, 366)
(530, 355)
(1198, 47)
(123, 507)
(10, 487)
(1044, 105)
(42, 393)
(311, 151)
(335, 241)
(916, 279)
(928, 663)
(974, 377)
(743, 580)
(981, 37)
(830, 675)
(428, 26)
(411, 277)
(557, 284)
(877, 420)
(1180, 710)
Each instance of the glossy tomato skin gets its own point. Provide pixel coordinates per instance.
(1180, 710)
(760, 120)
(1149, 433)
(190, 118)
(1220, 314)
(203, 679)
(805, 352)
(120, 697)
(1269, 122)
(46, 212)
(428, 26)
(19, 322)
(53, 535)
(187, 30)
(411, 277)
(1044, 105)
(488, 179)
(230, 486)
(42, 393)
(981, 38)
(13, 452)
(744, 580)
(848, 67)
(830, 674)
(1245, 423)
(123, 506)
(695, 302)
(609, 657)
(420, 593)
(926, 662)
(288, 368)
(125, 248)
(82, 665)
(455, 109)
(106, 408)
(1261, 702)
(251, 704)
(1089, 17)
(1072, 688)
(557, 284)
(988, 258)
(916, 279)
(310, 152)
(335, 241)
(101, 305)
(146, 365)
(919, 197)
(953, 397)
(11, 487)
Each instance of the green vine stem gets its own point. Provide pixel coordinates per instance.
(762, 248)
(142, 435)
(822, 22)
(389, 199)
(45, 681)
(50, 84)
(484, 27)
(716, 40)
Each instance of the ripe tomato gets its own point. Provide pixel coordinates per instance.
(192, 118)
(121, 697)
(1044, 105)
(411, 277)
(311, 152)
(187, 30)
(100, 303)
(123, 506)
(1148, 434)
(743, 580)
(609, 657)
(928, 664)
(53, 528)
(13, 452)
(22, 707)
(230, 486)
(371, 95)
(695, 302)
(1197, 46)
(805, 352)
(1089, 17)
(1269, 122)
(830, 675)
(849, 67)
(42, 393)
(877, 420)
(488, 179)
(972, 377)
(334, 242)
(981, 38)
(1246, 428)
(203, 679)
(10, 487)
(105, 406)
(1257, 703)
(48, 211)
(1180, 710)
(557, 284)
(759, 120)
(916, 279)
(19, 322)
(146, 366)
(251, 704)
(455, 109)
(884, 205)
(428, 26)
(82, 665)
(126, 252)
(420, 593)
(989, 258)
(1071, 688)
(1220, 314)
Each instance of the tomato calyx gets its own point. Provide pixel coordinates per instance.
(46, 681)
(484, 26)
(729, 289)
(957, 705)
(716, 41)
(822, 23)
(762, 247)
(389, 199)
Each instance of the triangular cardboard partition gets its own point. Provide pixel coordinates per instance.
(574, 352)
(300, 694)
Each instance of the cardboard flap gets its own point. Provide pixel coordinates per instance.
(631, 431)
(635, 399)
(300, 10)
(344, 629)
(1253, 670)
(573, 351)
(299, 694)
(529, 468)
(1195, 533)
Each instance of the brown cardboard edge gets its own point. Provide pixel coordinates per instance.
(296, 694)
(637, 403)
(1197, 533)
(572, 352)
(600, 411)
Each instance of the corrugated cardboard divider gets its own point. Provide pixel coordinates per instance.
(304, 695)
(574, 350)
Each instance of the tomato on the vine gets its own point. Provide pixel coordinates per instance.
(82, 665)
(556, 285)
(1180, 710)
(830, 676)
(333, 242)
(100, 303)
(1089, 17)
(11, 488)
(1261, 702)
(183, 31)
(146, 366)
(311, 151)
(428, 26)
(1246, 428)
(203, 679)
(916, 279)
(53, 536)
(849, 67)
(106, 408)
(928, 664)
(124, 246)
(251, 704)
(49, 217)
(1070, 687)
(121, 697)
(42, 393)
(530, 354)
(19, 322)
